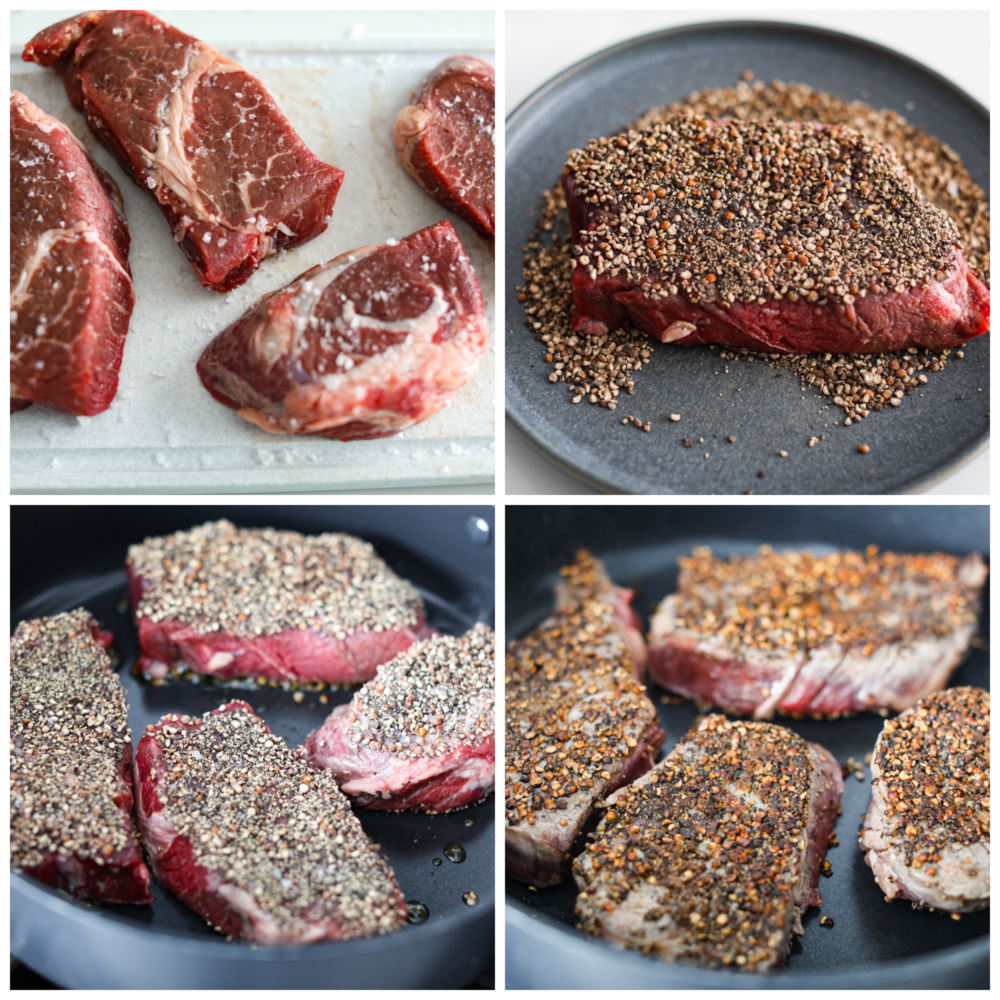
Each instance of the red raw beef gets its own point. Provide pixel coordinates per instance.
(70, 284)
(199, 133)
(446, 140)
(369, 343)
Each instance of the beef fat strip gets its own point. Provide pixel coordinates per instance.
(447, 140)
(244, 832)
(419, 735)
(815, 635)
(774, 236)
(71, 292)
(363, 346)
(578, 724)
(256, 602)
(714, 855)
(71, 763)
(927, 833)
(199, 133)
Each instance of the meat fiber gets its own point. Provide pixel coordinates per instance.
(71, 763)
(578, 725)
(372, 342)
(927, 833)
(70, 284)
(248, 602)
(419, 735)
(199, 133)
(815, 635)
(447, 140)
(244, 832)
(714, 855)
(780, 237)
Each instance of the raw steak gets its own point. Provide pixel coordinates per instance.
(447, 140)
(927, 833)
(578, 725)
(815, 635)
(789, 237)
(244, 832)
(199, 133)
(277, 605)
(714, 855)
(71, 763)
(419, 735)
(70, 284)
(369, 343)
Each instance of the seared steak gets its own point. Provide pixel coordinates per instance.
(71, 763)
(815, 635)
(714, 855)
(252, 838)
(419, 735)
(249, 602)
(791, 237)
(578, 725)
(927, 833)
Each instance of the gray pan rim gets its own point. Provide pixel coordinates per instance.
(562, 457)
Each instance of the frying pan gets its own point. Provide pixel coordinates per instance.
(872, 944)
(72, 556)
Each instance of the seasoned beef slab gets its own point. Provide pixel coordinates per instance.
(815, 635)
(714, 855)
(776, 236)
(249, 836)
(578, 724)
(419, 735)
(199, 133)
(927, 833)
(71, 292)
(71, 763)
(255, 602)
(447, 139)
(363, 346)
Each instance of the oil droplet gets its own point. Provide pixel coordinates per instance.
(416, 912)
(454, 852)
(470, 898)
(478, 530)
(470, 820)
(436, 862)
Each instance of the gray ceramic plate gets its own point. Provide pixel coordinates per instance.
(935, 430)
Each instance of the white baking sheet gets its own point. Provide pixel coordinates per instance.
(341, 87)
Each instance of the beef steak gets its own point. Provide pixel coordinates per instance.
(244, 832)
(199, 133)
(714, 855)
(70, 284)
(927, 833)
(781, 237)
(372, 342)
(277, 605)
(815, 635)
(419, 735)
(578, 725)
(447, 140)
(71, 763)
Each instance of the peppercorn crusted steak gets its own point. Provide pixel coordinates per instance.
(714, 855)
(248, 602)
(248, 835)
(775, 236)
(815, 635)
(419, 735)
(927, 833)
(578, 724)
(71, 763)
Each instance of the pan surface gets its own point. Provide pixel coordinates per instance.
(872, 944)
(935, 430)
(75, 556)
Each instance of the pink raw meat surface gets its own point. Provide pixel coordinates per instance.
(420, 735)
(329, 609)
